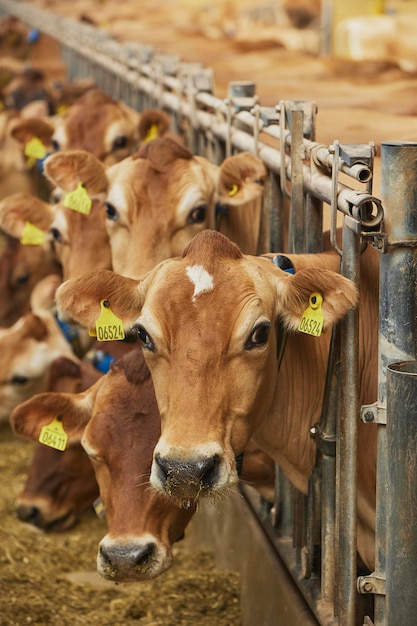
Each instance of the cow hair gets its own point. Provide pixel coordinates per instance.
(161, 152)
(212, 244)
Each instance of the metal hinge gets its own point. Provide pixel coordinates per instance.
(371, 584)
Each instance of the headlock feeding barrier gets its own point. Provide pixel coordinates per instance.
(313, 576)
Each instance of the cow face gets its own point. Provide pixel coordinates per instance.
(118, 422)
(28, 348)
(207, 325)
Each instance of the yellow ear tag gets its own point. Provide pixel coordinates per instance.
(32, 235)
(35, 149)
(99, 507)
(233, 190)
(152, 133)
(312, 319)
(78, 200)
(54, 435)
(61, 109)
(108, 326)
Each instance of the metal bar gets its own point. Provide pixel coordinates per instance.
(347, 437)
(296, 235)
(401, 598)
(397, 314)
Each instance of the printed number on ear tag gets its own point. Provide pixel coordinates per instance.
(108, 326)
(54, 435)
(78, 200)
(35, 149)
(312, 319)
(32, 235)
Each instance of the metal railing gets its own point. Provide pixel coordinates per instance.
(303, 175)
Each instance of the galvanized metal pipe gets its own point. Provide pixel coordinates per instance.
(397, 323)
(401, 598)
(347, 437)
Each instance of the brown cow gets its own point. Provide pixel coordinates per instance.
(119, 422)
(158, 199)
(97, 123)
(60, 485)
(28, 348)
(207, 324)
(23, 265)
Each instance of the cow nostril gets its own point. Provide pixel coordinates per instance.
(208, 469)
(142, 553)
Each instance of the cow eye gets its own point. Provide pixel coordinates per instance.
(258, 337)
(197, 215)
(23, 279)
(17, 379)
(119, 142)
(55, 234)
(111, 212)
(145, 338)
(55, 145)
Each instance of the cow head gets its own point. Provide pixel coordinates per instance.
(207, 326)
(28, 348)
(118, 423)
(157, 200)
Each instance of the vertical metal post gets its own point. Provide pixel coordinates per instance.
(347, 437)
(401, 607)
(296, 225)
(397, 330)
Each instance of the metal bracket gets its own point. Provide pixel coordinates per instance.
(357, 153)
(373, 414)
(325, 444)
(371, 584)
(379, 241)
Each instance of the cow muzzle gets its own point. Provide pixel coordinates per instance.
(185, 481)
(136, 560)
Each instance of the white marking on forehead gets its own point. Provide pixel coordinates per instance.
(201, 279)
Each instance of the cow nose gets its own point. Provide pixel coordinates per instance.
(118, 559)
(187, 479)
(30, 514)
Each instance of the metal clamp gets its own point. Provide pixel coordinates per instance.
(371, 584)
(373, 414)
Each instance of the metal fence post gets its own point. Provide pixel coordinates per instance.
(398, 336)
(401, 597)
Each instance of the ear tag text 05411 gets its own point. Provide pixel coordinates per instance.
(78, 200)
(54, 435)
(312, 319)
(108, 326)
(32, 235)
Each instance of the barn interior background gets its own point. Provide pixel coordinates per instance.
(357, 61)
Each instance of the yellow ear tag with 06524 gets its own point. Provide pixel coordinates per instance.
(152, 133)
(233, 190)
(54, 435)
(78, 200)
(32, 235)
(108, 326)
(312, 319)
(35, 149)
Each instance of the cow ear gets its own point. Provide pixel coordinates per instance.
(20, 207)
(338, 294)
(68, 168)
(72, 410)
(241, 180)
(79, 298)
(32, 127)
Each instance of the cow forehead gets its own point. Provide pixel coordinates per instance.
(228, 297)
(134, 186)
